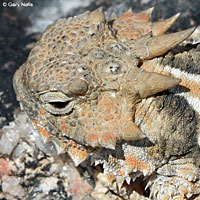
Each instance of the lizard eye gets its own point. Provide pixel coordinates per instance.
(57, 103)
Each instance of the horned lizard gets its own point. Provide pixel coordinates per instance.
(103, 92)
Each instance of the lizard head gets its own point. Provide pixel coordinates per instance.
(83, 79)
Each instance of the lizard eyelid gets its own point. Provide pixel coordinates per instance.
(56, 103)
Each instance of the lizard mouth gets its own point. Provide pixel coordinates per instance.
(138, 186)
(136, 183)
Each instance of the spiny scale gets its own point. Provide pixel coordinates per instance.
(156, 82)
(97, 16)
(133, 26)
(143, 16)
(161, 27)
(159, 45)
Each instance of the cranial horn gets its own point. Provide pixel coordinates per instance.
(161, 27)
(158, 45)
(97, 16)
(150, 83)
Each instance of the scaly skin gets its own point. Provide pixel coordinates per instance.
(93, 87)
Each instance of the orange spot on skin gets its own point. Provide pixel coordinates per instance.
(135, 163)
(107, 137)
(186, 171)
(92, 136)
(41, 114)
(141, 17)
(193, 86)
(41, 129)
(108, 117)
(120, 173)
(147, 116)
(83, 112)
(42, 111)
(44, 132)
(126, 15)
(80, 153)
(111, 178)
(123, 35)
(34, 123)
(107, 109)
(77, 151)
(89, 114)
(64, 127)
(132, 26)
